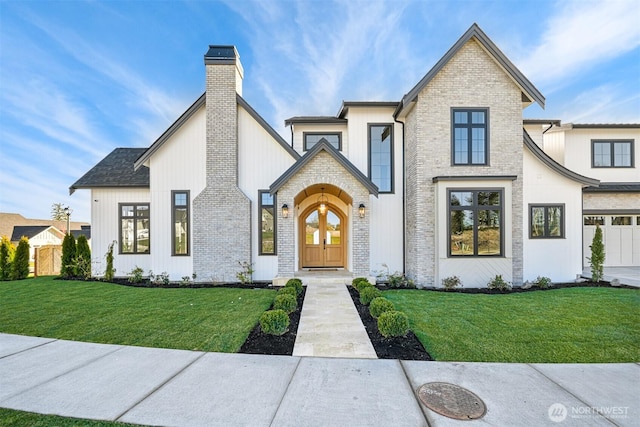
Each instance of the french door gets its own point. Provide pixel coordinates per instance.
(322, 239)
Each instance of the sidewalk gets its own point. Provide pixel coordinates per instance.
(175, 387)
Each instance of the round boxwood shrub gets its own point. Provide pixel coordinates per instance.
(296, 284)
(380, 305)
(393, 324)
(359, 281)
(285, 302)
(288, 291)
(274, 322)
(368, 293)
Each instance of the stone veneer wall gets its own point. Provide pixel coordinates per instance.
(470, 79)
(222, 212)
(610, 201)
(324, 169)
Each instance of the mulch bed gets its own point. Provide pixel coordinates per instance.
(403, 348)
(463, 290)
(260, 343)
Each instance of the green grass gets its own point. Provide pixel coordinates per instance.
(10, 417)
(571, 325)
(208, 319)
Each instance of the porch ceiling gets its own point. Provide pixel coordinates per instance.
(317, 189)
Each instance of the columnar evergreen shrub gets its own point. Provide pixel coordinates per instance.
(20, 264)
(285, 302)
(109, 272)
(7, 251)
(368, 294)
(597, 256)
(83, 258)
(68, 256)
(274, 322)
(296, 284)
(380, 305)
(393, 324)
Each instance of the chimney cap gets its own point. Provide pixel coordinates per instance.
(221, 53)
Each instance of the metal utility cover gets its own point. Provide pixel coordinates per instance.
(452, 401)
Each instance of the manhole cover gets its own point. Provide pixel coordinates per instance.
(452, 401)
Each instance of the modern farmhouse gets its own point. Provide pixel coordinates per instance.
(449, 180)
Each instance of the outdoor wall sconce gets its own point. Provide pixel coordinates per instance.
(285, 211)
(361, 210)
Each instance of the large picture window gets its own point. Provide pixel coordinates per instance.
(180, 220)
(312, 138)
(612, 154)
(134, 228)
(546, 221)
(470, 145)
(381, 156)
(267, 224)
(475, 222)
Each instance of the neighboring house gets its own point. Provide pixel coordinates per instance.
(38, 235)
(607, 152)
(9, 220)
(444, 182)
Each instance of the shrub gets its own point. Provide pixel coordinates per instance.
(285, 302)
(368, 294)
(364, 285)
(135, 276)
(288, 291)
(68, 256)
(450, 283)
(399, 280)
(245, 273)
(359, 281)
(7, 251)
(542, 282)
(20, 264)
(83, 258)
(597, 256)
(295, 284)
(393, 324)
(274, 322)
(380, 305)
(499, 283)
(109, 272)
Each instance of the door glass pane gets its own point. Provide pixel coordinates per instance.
(620, 220)
(593, 220)
(333, 228)
(312, 229)
(461, 232)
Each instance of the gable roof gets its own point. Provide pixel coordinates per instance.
(323, 145)
(557, 167)
(115, 170)
(474, 32)
(30, 231)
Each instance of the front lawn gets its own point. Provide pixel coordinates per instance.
(206, 319)
(10, 417)
(571, 325)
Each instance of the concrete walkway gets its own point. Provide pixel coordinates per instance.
(183, 388)
(329, 323)
(626, 275)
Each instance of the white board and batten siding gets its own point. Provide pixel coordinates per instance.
(261, 160)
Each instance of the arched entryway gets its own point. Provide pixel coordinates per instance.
(323, 237)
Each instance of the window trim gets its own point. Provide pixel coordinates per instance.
(611, 143)
(135, 227)
(304, 139)
(173, 221)
(475, 207)
(546, 220)
(391, 154)
(275, 224)
(487, 150)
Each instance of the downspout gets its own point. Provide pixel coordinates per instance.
(404, 201)
(291, 135)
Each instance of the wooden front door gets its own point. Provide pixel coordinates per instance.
(322, 239)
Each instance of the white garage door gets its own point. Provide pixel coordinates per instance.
(620, 235)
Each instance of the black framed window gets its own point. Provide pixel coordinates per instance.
(381, 156)
(593, 220)
(475, 222)
(312, 138)
(546, 221)
(470, 136)
(612, 153)
(180, 222)
(134, 228)
(267, 217)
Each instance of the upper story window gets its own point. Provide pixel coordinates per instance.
(546, 221)
(180, 219)
(381, 156)
(312, 138)
(612, 154)
(475, 222)
(267, 217)
(470, 145)
(134, 228)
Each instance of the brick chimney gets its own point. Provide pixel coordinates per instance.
(222, 212)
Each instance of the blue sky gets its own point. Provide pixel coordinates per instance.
(80, 78)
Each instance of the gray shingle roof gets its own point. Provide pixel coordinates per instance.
(115, 170)
(29, 231)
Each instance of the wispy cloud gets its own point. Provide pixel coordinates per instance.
(603, 104)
